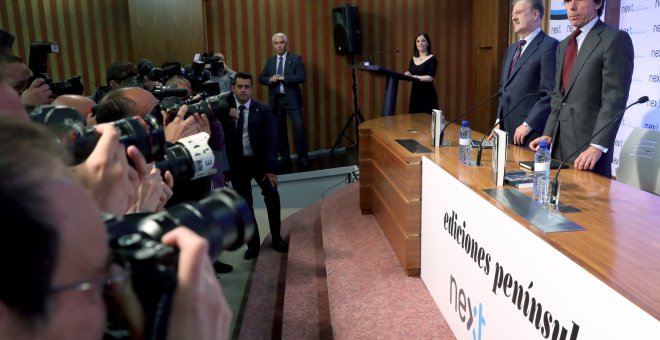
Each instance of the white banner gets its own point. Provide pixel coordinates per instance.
(494, 279)
(641, 19)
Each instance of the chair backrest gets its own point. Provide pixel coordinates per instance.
(639, 160)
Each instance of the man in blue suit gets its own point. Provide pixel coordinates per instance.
(251, 141)
(283, 74)
(528, 68)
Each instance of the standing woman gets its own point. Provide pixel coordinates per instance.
(423, 66)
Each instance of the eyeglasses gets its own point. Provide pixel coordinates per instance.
(104, 281)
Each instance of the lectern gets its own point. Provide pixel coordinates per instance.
(391, 85)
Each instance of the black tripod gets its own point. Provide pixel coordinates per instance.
(356, 116)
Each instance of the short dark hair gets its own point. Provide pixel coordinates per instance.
(602, 7)
(29, 158)
(114, 106)
(120, 71)
(242, 75)
(428, 39)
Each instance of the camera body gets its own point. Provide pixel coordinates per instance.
(38, 63)
(223, 218)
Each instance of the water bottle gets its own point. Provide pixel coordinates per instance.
(541, 185)
(464, 143)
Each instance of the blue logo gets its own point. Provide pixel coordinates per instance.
(466, 313)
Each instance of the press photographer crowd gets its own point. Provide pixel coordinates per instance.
(116, 206)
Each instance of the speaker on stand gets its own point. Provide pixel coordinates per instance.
(348, 41)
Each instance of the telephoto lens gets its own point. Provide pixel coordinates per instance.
(143, 132)
(223, 218)
(190, 158)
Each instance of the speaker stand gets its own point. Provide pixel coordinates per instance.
(356, 117)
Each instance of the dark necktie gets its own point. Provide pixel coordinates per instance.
(569, 59)
(241, 118)
(516, 56)
(280, 66)
(280, 71)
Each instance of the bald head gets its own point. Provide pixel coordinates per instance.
(143, 100)
(81, 104)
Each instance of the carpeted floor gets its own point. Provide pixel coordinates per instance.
(339, 280)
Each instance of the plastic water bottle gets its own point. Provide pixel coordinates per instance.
(541, 185)
(464, 143)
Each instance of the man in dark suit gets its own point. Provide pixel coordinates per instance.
(528, 68)
(594, 72)
(251, 141)
(283, 74)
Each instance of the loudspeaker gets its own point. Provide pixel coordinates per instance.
(346, 20)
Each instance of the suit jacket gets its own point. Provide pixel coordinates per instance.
(294, 75)
(262, 132)
(533, 73)
(597, 90)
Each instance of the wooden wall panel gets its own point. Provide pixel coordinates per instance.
(243, 31)
(91, 34)
(165, 30)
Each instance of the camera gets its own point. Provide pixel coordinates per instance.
(143, 132)
(223, 218)
(147, 69)
(189, 158)
(162, 91)
(212, 106)
(38, 64)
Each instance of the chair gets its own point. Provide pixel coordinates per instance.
(639, 160)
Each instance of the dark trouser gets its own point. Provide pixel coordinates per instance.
(280, 109)
(240, 179)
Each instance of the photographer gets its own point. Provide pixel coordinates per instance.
(221, 73)
(54, 288)
(116, 73)
(123, 102)
(17, 75)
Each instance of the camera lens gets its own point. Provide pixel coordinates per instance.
(223, 218)
(190, 158)
(143, 132)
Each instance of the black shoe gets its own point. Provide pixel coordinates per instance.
(251, 253)
(304, 163)
(221, 268)
(286, 166)
(280, 245)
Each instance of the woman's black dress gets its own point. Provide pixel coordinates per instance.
(423, 97)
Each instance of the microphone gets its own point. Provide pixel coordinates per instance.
(555, 183)
(442, 132)
(371, 56)
(481, 145)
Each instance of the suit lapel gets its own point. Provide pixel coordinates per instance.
(586, 50)
(509, 59)
(529, 51)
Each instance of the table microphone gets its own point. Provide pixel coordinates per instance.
(442, 133)
(481, 145)
(555, 184)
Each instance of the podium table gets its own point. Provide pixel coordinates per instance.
(391, 84)
(619, 247)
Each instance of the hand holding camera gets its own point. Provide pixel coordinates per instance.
(39, 93)
(106, 174)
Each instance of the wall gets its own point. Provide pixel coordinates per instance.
(91, 34)
(164, 30)
(243, 31)
(94, 33)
